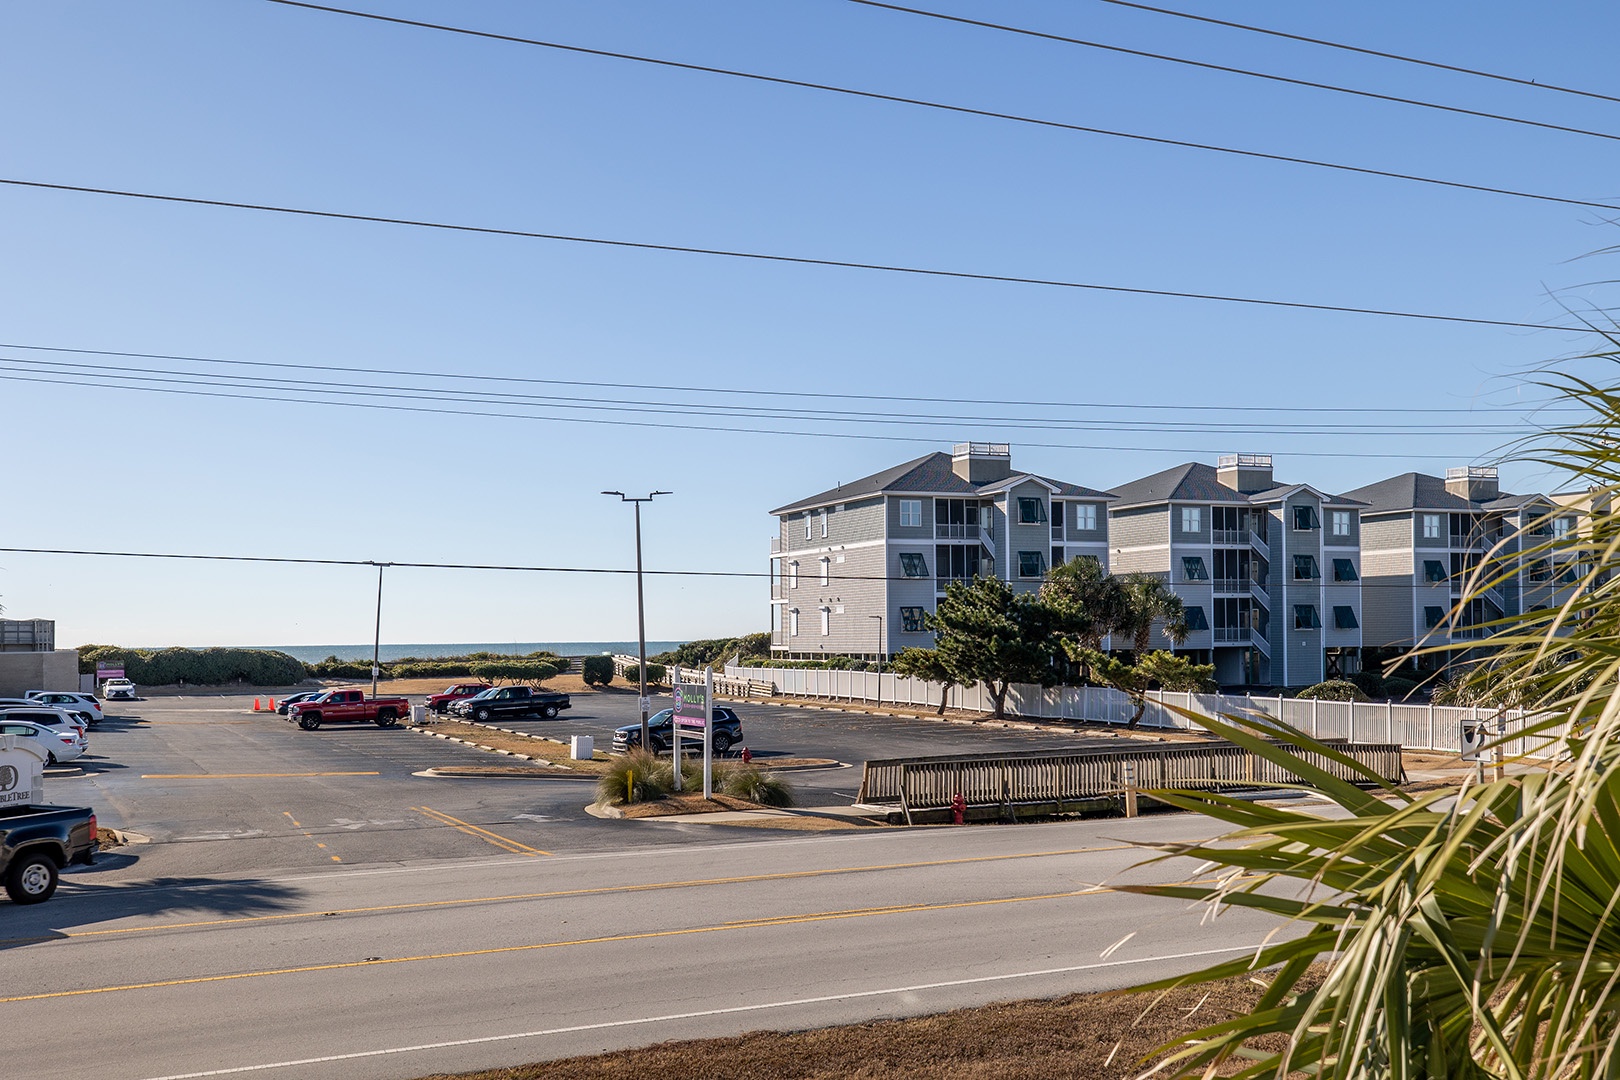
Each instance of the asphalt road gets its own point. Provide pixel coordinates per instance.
(399, 971)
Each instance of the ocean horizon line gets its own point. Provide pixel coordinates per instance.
(313, 654)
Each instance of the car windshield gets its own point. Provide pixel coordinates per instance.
(485, 693)
(659, 718)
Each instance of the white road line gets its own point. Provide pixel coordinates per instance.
(704, 1013)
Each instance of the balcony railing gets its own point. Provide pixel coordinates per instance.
(776, 545)
(1232, 634)
(1230, 536)
(1231, 585)
(954, 532)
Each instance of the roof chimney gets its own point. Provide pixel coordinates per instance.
(1245, 473)
(1476, 483)
(981, 463)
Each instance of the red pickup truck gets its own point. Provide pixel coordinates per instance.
(349, 705)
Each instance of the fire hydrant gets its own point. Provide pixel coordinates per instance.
(746, 756)
(958, 808)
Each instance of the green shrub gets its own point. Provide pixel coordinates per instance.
(1370, 683)
(631, 778)
(1334, 690)
(206, 667)
(1399, 689)
(530, 671)
(754, 784)
(598, 670)
(655, 673)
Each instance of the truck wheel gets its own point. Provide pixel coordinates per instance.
(482, 715)
(31, 879)
(657, 744)
(386, 718)
(722, 742)
(309, 723)
(549, 712)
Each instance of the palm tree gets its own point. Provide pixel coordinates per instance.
(1472, 934)
(1150, 600)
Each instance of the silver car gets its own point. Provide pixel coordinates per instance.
(60, 745)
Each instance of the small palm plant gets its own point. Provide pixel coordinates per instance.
(1468, 935)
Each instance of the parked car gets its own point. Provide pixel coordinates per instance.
(82, 703)
(348, 706)
(728, 732)
(59, 745)
(118, 690)
(440, 703)
(48, 715)
(293, 699)
(37, 841)
(511, 701)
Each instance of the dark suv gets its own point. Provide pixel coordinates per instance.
(728, 732)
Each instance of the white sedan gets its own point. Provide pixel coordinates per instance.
(60, 745)
(61, 699)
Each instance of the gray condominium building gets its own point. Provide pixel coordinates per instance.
(1269, 573)
(1424, 536)
(854, 569)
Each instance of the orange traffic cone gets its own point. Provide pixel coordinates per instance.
(272, 706)
(256, 705)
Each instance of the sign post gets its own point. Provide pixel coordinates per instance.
(694, 709)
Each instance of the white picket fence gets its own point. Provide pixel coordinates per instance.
(1415, 727)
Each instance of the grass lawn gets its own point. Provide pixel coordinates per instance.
(1080, 1037)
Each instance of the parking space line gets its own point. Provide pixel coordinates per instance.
(247, 775)
(504, 843)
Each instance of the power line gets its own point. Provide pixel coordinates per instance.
(927, 104)
(755, 575)
(742, 391)
(689, 428)
(633, 406)
(1536, 83)
(1208, 66)
(793, 259)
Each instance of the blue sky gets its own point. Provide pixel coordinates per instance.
(249, 101)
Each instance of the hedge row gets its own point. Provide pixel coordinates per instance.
(265, 667)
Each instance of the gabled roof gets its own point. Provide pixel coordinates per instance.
(1282, 491)
(1420, 491)
(1190, 482)
(931, 474)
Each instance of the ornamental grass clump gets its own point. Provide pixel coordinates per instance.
(754, 784)
(631, 778)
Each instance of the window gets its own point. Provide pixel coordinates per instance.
(1195, 618)
(1567, 573)
(1031, 564)
(910, 513)
(911, 620)
(1305, 617)
(1192, 519)
(1540, 571)
(826, 621)
(1562, 527)
(1341, 523)
(807, 524)
(824, 524)
(1305, 568)
(1344, 570)
(1192, 568)
(1432, 616)
(1031, 511)
(1434, 570)
(793, 574)
(912, 564)
(1431, 526)
(1305, 518)
(826, 570)
(1057, 557)
(1085, 517)
(1057, 521)
(1344, 618)
(793, 622)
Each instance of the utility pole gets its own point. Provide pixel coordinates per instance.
(641, 614)
(376, 640)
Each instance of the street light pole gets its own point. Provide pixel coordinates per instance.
(376, 641)
(879, 619)
(641, 615)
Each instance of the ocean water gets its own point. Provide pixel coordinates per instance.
(312, 654)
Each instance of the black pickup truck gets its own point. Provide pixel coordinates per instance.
(511, 701)
(37, 841)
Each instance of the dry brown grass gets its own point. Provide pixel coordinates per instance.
(1080, 1037)
(540, 749)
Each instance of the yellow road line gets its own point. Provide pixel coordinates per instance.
(246, 775)
(309, 834)
(504, 842)
(498, 950)
(421, 905)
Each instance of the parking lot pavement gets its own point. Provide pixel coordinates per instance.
(219, 789)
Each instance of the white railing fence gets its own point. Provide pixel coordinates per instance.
(1415, 727)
